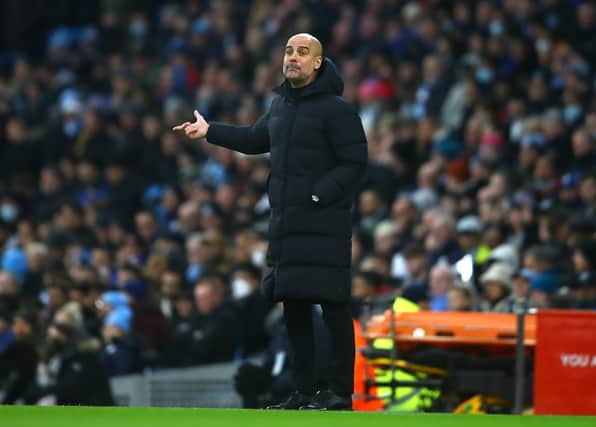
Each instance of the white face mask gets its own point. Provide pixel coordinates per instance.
(240, 288)
(258, 258)
(9, 212)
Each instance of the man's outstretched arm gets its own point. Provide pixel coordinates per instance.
(245, 139)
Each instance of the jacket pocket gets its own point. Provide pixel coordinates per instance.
(299, 190)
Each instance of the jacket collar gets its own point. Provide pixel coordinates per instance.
(328, 81)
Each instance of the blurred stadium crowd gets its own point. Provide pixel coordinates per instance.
(118, 236)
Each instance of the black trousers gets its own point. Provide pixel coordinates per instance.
(338, 319)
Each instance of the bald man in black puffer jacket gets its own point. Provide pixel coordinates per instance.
(318, 160)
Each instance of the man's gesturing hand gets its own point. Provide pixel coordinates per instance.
(195, 130)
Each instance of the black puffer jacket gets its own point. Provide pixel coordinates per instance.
(317, 147)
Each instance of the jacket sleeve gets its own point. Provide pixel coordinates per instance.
(245, 139)
(348, 141)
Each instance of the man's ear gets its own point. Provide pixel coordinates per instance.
(318, 62)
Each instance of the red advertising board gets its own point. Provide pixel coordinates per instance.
(565, 365)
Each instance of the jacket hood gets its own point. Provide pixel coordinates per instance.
(328, 82)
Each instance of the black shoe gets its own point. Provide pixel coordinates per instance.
(295, 401)
(326, 400)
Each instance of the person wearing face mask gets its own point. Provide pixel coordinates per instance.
(318, 157)
(137, 28)
(252, 306)
(484, 75)
(573, 110)
(9, 212)
(258, 252)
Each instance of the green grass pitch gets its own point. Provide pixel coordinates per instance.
(32, 416)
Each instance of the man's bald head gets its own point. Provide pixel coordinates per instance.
(303, 58)
(314, 42)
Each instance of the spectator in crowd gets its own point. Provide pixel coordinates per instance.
(542, 287)
(496, 284)
(419, 295)
(36, 254)
(405, 214)
(88, 295)
(459, 298)
(120, 355)
(260, 385)
(584, 257)
(372, 210)
(80, 378)
(518, 300)
(170, 287)
(9, 290)
(417, 267)
(385, 238)
(180, 331)
(586, 292)
(440, 241)
(252, 306)
(441, 281)
(18, 360)
(366, 296)
(216, 328)
(469, 236)
(545, 283)
(6, 334)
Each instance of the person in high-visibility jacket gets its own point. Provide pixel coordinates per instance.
(400, 305)
(405, 398)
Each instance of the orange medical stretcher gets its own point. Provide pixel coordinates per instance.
(473, 333)
(467, 331)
